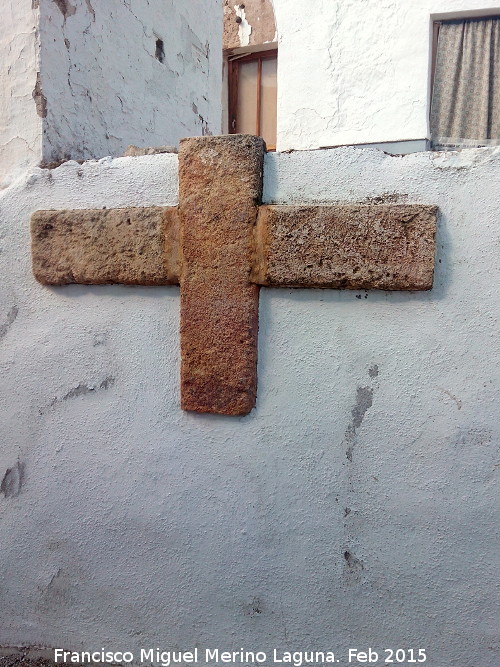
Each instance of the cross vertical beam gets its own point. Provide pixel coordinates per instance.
(220, 188)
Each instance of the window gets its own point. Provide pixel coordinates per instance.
(465, 107)
(253, 95)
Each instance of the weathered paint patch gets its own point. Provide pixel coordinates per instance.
(244, 28)
(11, 318)
(39, 97)
(82, 389)
(65, 7)
(364, 401)
(353, 567)
(91, 9)
(13, 480)
(253, 608)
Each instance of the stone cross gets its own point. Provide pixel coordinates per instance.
(221, 245)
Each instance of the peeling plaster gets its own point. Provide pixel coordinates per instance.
(248, 24)
(92, 82)
(40, 99)
(244, 28)
(84, 85)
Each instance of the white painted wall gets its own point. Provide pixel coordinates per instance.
(20, 126)
(138, 525)
(360, 69)
(105, 89)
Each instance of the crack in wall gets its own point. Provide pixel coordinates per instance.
(244, 28)
(13, 480)
(125, 4)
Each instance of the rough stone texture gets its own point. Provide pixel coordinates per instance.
(133, 246)
(220, 182)
(389, 247)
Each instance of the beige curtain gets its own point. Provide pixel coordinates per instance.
(465, 108)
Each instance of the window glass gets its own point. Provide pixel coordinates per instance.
(268, 101)
(465, 108)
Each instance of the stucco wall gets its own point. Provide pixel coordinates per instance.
(105, 88)
(363, 71)
(20, 124)
(353, 508)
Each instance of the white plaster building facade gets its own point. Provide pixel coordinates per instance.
(351, 73)
(126, 523)
(363, 75)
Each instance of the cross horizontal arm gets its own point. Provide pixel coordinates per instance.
(131, 246)
(352, 246)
